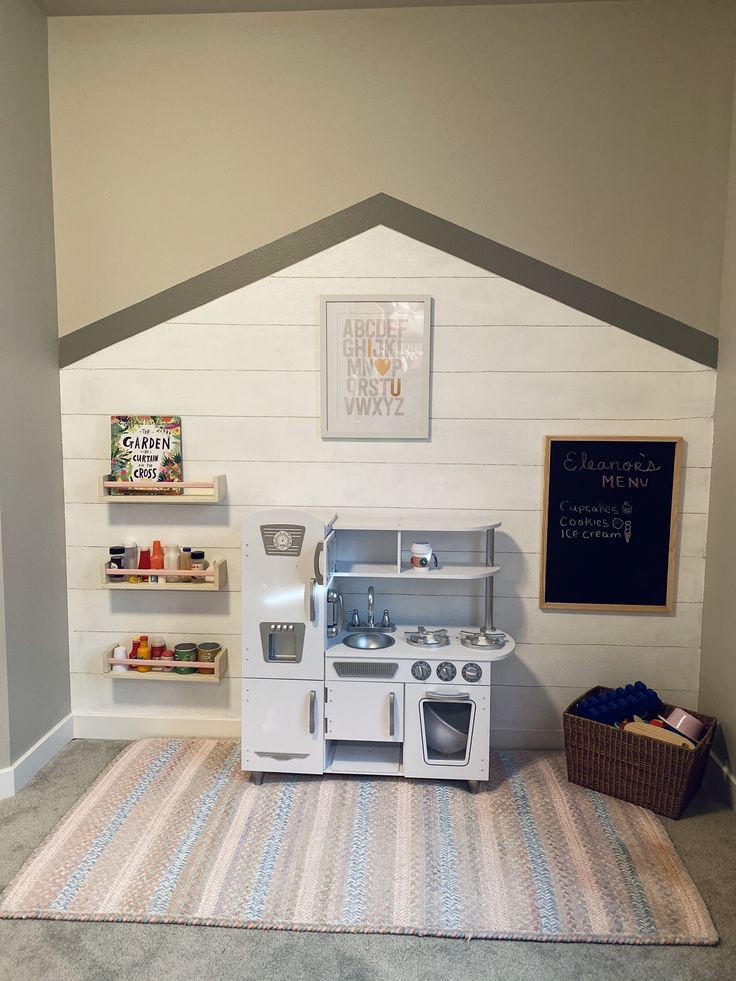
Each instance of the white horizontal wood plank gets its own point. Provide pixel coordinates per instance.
(524, 395)
(519, 575)
(473, 487)
(582, 666)
(512, 442)
(473, 300)
(279, 347)
(523, 619)
(542, 708)
(154, 613)
(218, 526)
(103, 695)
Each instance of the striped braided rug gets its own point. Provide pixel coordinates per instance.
(172, 832)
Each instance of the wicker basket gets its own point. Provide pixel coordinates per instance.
(644, 771)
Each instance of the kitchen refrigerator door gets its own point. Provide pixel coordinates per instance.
(284, 595)
(282, 727)
(447, 732)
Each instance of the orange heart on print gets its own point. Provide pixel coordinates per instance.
(381, 365)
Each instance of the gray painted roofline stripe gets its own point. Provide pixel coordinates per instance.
(382, 209)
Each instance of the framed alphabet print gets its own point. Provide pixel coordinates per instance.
(375, 367)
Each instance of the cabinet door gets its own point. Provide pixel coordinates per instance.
(283, 725)
(365, 710)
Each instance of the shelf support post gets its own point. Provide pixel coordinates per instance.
(490, 557)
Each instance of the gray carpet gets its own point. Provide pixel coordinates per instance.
(38, 950)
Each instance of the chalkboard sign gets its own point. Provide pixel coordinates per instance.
(609, 530)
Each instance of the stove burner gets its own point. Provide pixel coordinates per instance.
(421, 637)
(483, 638)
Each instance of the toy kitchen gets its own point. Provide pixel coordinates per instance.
(329, 689)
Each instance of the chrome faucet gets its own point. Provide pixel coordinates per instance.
(371, 607)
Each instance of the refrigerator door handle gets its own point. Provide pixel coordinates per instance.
(311, 603)
(312, 712)
(317, 571)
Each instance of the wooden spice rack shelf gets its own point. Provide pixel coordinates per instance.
(215, 576)
(219, 665)
(192, 491)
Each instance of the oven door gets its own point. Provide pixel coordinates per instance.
(447, 731)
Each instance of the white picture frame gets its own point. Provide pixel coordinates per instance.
(375, 366)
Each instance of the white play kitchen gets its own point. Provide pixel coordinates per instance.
(333, 689)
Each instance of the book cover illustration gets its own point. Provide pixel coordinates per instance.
(146, 449)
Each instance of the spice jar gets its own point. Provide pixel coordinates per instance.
(120, 652)
(185, 652)
(157, 559)
(185, 562)
(158, 646)
(144, 653)
(116, 561)
(171, 561)
(198, 563)
(131, 558)
(207, 652)
(144, 562)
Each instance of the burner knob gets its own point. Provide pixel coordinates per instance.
(446, 671)
(472, 672)
(421, 670)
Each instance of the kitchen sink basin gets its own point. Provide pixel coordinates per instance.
(369, 640)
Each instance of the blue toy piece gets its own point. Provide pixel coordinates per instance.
(612, 707)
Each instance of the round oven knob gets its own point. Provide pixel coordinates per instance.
(472, 672)
(421, 670)
(446, 671)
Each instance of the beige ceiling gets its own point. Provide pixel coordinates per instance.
(65, 8)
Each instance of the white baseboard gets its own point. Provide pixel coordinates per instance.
(13, 778)
(91, 726)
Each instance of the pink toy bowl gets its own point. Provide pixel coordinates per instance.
(685, 723)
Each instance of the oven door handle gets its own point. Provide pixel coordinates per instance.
(440, 696)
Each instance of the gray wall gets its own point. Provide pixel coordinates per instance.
(31, 493)
(718, 658)
(4, 726)
(592, 136)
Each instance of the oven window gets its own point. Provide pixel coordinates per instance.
(447, 729)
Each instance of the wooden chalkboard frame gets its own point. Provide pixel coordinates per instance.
(674, 516)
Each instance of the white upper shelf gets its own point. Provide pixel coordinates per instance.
(416, 521)
(388, 570)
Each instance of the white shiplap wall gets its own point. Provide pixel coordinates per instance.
(509, 366)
